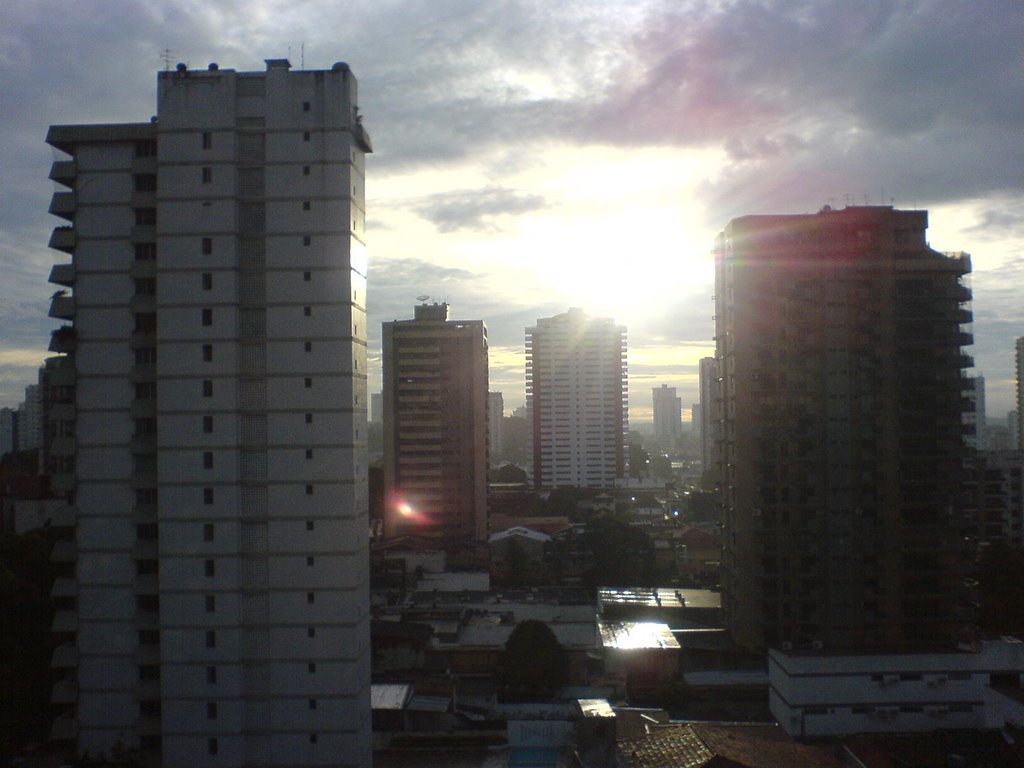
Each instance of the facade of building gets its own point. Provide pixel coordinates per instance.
(824, 695)
(1019, 348)
(377, 408)
(435, 426)
(576, 389)
(710, 408)
(496, 423)
(214, 591)
(976, 432)
(8, 430)
(668, 417)
(839, 343)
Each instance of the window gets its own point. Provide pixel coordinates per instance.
(309, 453)
(207, 246)
(207, 424)
(305, 170)
(309, 525)
(207, 317)
(309, 490)
(312, 738)
(149, 637)
(309, 418)
(307, 240)
(145, 251)
(207, 140)
(147, 603)
(207, 353)
(207, 387)
(311, 632)
(211, 746)
(305, 136)
(211, 639)
(149, 672)
(209, 568)
(309, 561)
(149, 708)
(307, 276)
(207, 531)
(207, 459)
(207, 174)
(211, 603)
(305, 205)
(145, 216)
(146, 531)
(308, 346)
(146, 567)
(211, 675)
(145, 496)
(310, 597)
(145, 390)
(305, 106)
(145, 148)
(309, 383)
(211, 710)
(312, 703)
(207, 496)
(311, 667)
(207, 281)
(307, 311)
(145, 182)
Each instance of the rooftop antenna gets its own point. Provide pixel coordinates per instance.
(167, 56)
(422, 298)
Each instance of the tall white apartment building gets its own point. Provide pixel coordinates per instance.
(212, 590)
(576, 386)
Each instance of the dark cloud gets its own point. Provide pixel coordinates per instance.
(476, 209)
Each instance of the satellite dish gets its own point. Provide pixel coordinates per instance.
(422, 298)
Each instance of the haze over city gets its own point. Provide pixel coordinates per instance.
(535, 156)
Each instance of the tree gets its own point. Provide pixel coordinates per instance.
(534, 665)
(507, 473)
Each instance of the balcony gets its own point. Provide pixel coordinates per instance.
(143, 372)
(964, 339)
(63, 339)
(63, 239)
(65, 691)
(64, 172)
(65, 551)
(63, 204)
(144, 164)
(143, 409)
(62, 306)
(142, 268)
(143, 443)
(64, 445)
(143, 233)
(143, 303)
(143, 199)
(62, 376)
(143, 339)
(65, 728)
(63, 274)
(966, 361)
(62, 482)
(65, 656)
(64, 586)
(64, 622)
(62, 412)
(144, 479)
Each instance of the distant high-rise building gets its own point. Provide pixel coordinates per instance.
(8, 430)
(30, 419)
(710, 405)
(695, 418)
(576, 389)
(1013, 429)
(209, 425)
(435, 426)
(668, 417)
(495, 423)
(1020, 392)
(377, 408)
(839, 340)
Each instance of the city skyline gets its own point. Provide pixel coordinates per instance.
(591, 167)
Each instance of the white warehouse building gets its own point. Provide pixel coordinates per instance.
(212, 592)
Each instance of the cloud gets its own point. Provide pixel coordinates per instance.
(476, 209)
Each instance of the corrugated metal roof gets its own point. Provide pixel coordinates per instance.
(635, 635)
(389, 695)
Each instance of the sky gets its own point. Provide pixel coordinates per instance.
(532, 155)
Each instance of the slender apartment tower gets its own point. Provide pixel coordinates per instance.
(839, 344)
(710, 407)
(668, 417)
(214, 591)
(576, 389)
(1019, 413)
(435, 426)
